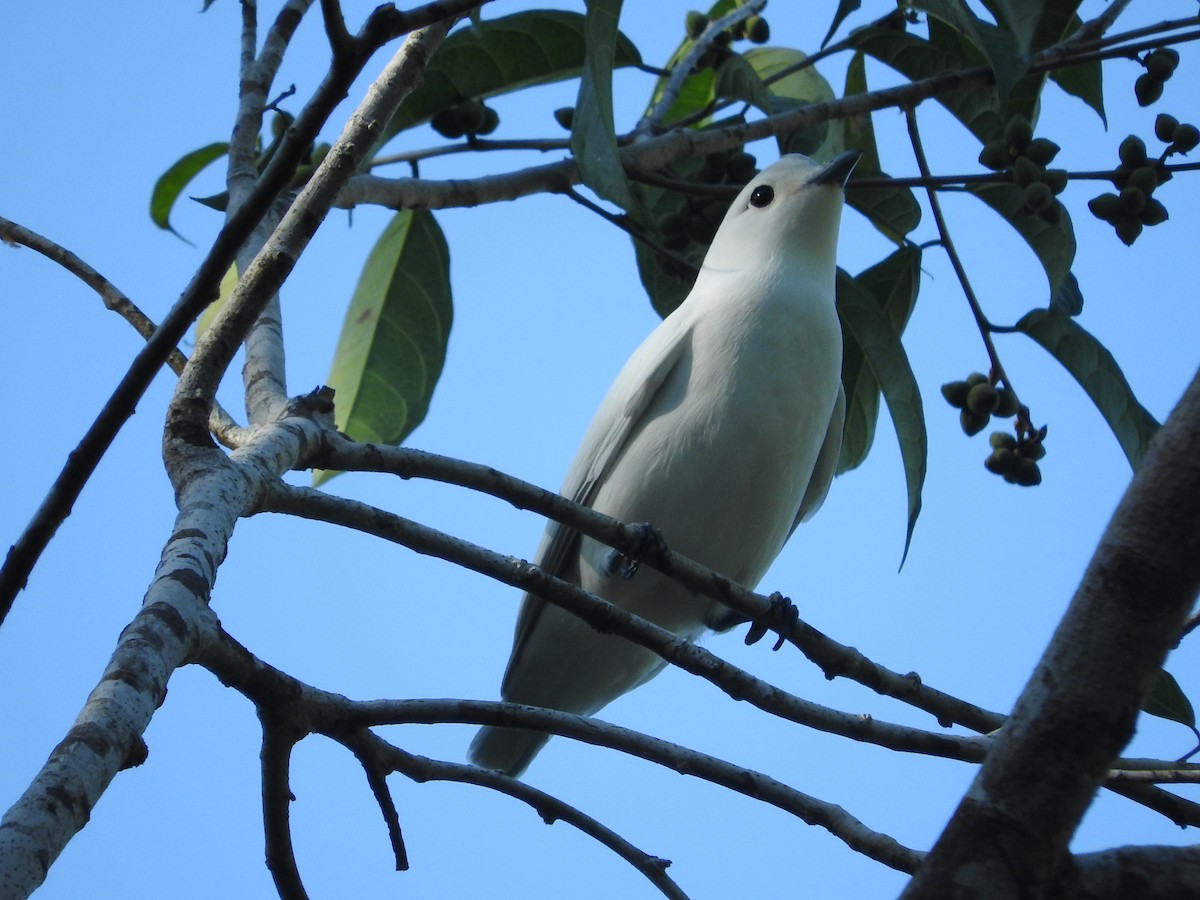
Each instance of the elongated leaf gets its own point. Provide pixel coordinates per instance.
(845, 7)
(1068, 299)
(1085, 82)
(892, 210)
(915, 58)
(502, 55)
(893, 283)
(1054, 244)
(594, 136)
(172, 182)
(393, 341)
(1168, 701)
(1098, 374)
(865, 324)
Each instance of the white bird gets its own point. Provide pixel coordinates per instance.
(722, 430)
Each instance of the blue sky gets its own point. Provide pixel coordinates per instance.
(547, 307)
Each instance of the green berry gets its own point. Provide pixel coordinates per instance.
(1018, 133)
(1000, 461)
(757, 30)
(565, 116)
(742, 167)
(1147, 89)
(973, 423)
(1106, 207)
(1128, 228)
(1031, 449)
(695, 23)
(1008, 405)
(1132, 151)
(955, 393)
(471, 116)
(1144, 179)
(1186, 137)
(446, 124)
(1038, 197)
(1057, 179)
(1042, 151)
(995, 156)
(1133, 200)
(1154, 213)
(491, 119)
(1164, 127)
(976, 378)
(983, 399)
(1024, 472)
(1026, 172)
(1002, 440)
(1161, 63)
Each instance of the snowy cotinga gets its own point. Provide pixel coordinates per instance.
(722, 430)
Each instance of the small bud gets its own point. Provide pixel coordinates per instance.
(1057, 179)
(1133, 200)
(976, 378)
(1038, 197)
(1026, 172)
(757, 30)
(1154, 213)
(695, 23)
(995, 156)
(1008, 406)
(1128, 228)
(972, 423)
(565, 116)
(1144, 179)
(1002, 440)
(1106, 207)
(1000, 461)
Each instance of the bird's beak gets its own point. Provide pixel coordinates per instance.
(838, 170)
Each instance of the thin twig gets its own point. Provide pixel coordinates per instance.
(221, 423)
(277, 744)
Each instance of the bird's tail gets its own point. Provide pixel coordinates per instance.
(509, 750)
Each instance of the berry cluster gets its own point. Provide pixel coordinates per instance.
(1015, 459)
(470, 117)
(979, 400)
(1026, 158)
(755, 29)
(1136, 178)
(1160, 65)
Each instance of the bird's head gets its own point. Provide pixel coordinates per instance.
(789, 212)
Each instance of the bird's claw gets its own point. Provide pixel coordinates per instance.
(647, 541)
(781, 616)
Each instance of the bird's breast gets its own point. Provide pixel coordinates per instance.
(723, 456)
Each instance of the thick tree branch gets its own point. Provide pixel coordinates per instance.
(1079, 708)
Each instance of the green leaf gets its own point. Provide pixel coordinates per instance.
(1068, 298)
(797, 89)
(172, 182)
(892, 210)
(976, 107)
(1084, 81)
(393, 341)
(594, 136)
(501, 55)
(866, 325)
(1168, 701)
(698, 88)
(845, 7)
(228, 282)
(1020, 18)
(1058, 22)
(893, 283)
(1098, 374)
(1054, 244)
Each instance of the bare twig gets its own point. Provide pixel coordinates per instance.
(221, 423)
(278, 741)
(366, 746)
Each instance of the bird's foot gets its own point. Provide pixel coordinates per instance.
(647, 541)
(780, 617)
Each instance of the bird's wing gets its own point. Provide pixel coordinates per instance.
(826, 466)
(618, 416)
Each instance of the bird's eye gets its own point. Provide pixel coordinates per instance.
(762, 196)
